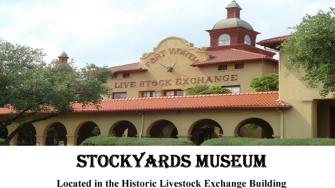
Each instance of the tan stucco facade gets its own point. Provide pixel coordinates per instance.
(181, 55)
(310, 114)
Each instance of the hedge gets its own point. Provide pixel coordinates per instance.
(225, 141)
(130, 141)
(239, 141)
(2, 141)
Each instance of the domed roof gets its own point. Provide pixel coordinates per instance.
(232, 22)
(233, 4)
(63, 54)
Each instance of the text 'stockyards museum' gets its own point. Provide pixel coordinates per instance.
(149, 98)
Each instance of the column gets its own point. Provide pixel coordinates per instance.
(71, 140)
(40, 140)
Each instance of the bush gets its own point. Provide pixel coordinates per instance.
(128, 141)
(239, 141)
(206, 90)
(265, 83)
(2, 141)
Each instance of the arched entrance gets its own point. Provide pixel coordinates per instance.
(123, 129)
(254, 128)
(163, 129)
(86, 130)
(205, 129)
(56, 135)
(3, 132)
(27, 136)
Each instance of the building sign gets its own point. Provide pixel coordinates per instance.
(171, 51)
(205, 80)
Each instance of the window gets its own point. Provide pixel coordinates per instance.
(114, 75)
(126, 75)
(171, 93)
(222, 67)
(233, 89)
(147, 94)
(239, 66)
(247, 40)
(119, 95)
(224, 40)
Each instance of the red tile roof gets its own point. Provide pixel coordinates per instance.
(133, 67)
(5, 111)
(219, 101)
(229, 55)
(197, 102)
(273, 42)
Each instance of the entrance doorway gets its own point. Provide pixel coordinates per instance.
(163, 129)
(325, 118)
(87, 130)
(56, 135)
(205, 129)
(3, 132)
(123, 129)
(332, 121)
(254, 128)
(27, 136)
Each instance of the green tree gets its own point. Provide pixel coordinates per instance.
(37, 91)
(312, 48)
(204, 90)
(265, 83)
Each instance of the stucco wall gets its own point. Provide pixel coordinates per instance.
(301, 121)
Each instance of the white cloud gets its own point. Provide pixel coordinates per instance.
(116, 32)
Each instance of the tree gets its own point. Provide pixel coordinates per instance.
(265, 83)
(204, 90)
(37, 91)
(312, 49)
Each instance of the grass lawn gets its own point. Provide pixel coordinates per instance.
(128, 141)
(239, 141)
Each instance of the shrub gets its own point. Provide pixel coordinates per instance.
(131, 141)
(239, 141)
(205, 90)
(265, 83)
(2, 141)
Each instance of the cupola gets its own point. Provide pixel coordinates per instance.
(232, 30)
(63, 57)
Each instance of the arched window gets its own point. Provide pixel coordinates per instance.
(224, 40)
(247, 40)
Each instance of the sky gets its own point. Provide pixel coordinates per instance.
(116, 32)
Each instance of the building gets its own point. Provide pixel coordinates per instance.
(149, 98)
(311, 115)
(175, 65)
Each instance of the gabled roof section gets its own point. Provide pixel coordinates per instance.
(128, 68)
(236, 54)
(274, 43)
